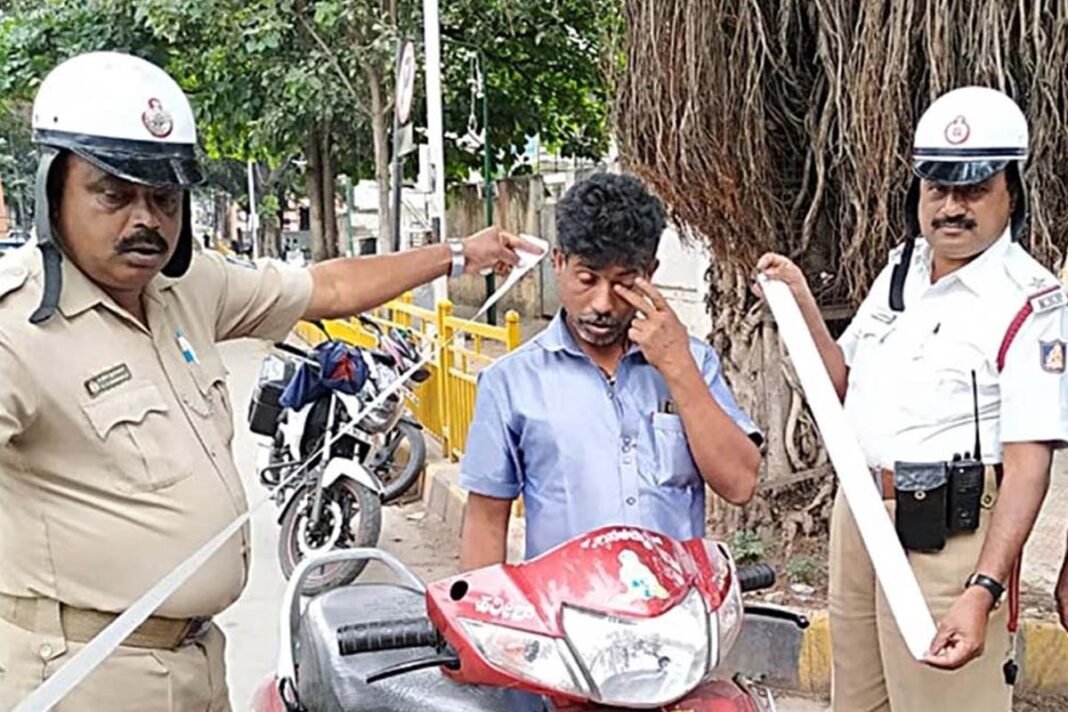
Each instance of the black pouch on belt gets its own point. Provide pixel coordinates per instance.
(920, 490)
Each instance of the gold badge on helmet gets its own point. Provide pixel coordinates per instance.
(156, 120)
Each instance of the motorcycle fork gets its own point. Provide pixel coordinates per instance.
(328, 446)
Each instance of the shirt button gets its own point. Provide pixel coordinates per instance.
(45, 651)
(627, 460)
(631, 501)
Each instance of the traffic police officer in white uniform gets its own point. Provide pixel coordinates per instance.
(115, 420)
(952, 372)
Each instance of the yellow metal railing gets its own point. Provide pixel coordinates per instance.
(445, 402)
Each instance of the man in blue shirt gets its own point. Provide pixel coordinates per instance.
(611, 415)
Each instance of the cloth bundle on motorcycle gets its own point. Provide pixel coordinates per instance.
(340, 367)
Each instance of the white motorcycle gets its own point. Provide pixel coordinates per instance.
(331, 474)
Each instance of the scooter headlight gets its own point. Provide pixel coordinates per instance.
(647, 662)
(533, 657)
(728, 618)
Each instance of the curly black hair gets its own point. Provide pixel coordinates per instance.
(610, 220)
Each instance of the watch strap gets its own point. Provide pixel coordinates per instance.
(994, 588)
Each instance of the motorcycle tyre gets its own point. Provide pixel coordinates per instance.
(394, 488)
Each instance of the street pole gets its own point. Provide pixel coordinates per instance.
(487, 178)
(398, 166)
(346, 185)
(253, 218)
(435, 131)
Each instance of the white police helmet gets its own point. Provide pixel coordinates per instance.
(127, 117)
(968, 135)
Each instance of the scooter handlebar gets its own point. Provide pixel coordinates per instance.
(755, 577)
(386, 635)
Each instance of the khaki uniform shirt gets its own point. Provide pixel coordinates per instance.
(115, 460)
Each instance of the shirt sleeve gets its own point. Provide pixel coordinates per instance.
(18, 395)
(262, 300)
(491, 463)
(1034, 386)
(712, 372)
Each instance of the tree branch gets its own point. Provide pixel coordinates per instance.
(332, 58)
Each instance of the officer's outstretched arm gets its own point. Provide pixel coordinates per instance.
(351, 285)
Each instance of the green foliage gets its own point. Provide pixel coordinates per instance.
(548, 67)
(262, 74)
(803, 569)
(747, 547)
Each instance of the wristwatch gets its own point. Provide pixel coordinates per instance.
(994, 588)
(458, 261)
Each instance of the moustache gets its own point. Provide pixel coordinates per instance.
(962, 223)
(142, 240)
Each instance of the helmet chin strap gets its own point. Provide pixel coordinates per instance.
(51, 255)
(179, 262)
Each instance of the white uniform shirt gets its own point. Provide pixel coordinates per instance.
(910, 373)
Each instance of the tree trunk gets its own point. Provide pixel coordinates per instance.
(315, 197)
(270, 233)
(329, 195)
(381, 145)
(222, 219)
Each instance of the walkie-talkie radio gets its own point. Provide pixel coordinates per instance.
(967, 476)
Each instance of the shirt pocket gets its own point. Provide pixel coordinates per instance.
(214, 404)
(674, 462)
(136, 433)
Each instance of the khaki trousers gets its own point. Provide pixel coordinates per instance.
(872, 670)
(187, 679)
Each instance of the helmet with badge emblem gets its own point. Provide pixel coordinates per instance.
(128, 118)
(965, 137)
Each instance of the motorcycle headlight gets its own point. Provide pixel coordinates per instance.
(534, 657)
(647, 662)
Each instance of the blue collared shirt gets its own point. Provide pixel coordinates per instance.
(583, 451)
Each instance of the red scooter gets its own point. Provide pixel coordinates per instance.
(620, 618)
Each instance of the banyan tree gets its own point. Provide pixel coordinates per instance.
(786, 125)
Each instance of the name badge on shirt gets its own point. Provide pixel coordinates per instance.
(107, 380)
(883, 316)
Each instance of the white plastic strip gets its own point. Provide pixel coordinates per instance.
(880, 539)
(56, 687)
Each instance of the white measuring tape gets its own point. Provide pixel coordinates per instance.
(892, 568)
(56, 687)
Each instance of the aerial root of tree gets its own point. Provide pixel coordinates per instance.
(786, 125)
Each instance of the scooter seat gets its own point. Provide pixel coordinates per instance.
(329, 682)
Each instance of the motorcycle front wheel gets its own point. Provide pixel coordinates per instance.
(351, 517)
(400, 471)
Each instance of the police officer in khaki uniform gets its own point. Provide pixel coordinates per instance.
(952, 372)
(115, 421)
